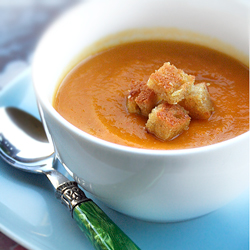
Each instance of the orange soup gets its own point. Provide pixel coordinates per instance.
(93, 94)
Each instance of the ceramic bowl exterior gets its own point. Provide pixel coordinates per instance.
(152, 185)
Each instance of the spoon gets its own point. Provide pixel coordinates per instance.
(24, 145)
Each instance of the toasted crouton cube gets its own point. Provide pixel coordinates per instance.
(166, 121)
(133, 94)
(141, 99)
(198, 102)
(170, 83)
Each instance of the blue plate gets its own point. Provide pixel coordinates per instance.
(30, 214)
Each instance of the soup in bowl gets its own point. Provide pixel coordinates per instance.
(82, 72)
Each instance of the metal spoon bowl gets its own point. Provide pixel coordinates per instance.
(24, 145)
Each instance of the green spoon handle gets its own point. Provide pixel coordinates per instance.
(100, 229)
(102, 232)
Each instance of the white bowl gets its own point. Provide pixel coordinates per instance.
(151, 185)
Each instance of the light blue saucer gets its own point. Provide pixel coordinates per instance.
(31, 215)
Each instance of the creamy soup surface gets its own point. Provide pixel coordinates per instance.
(93, 94)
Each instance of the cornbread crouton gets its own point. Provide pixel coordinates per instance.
(198, 102)
(141, 99)
(170, 83)
(167, 121)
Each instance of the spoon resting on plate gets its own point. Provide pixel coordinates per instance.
(24, 145)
